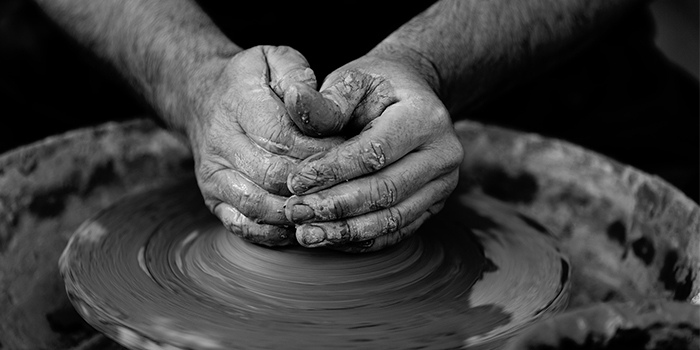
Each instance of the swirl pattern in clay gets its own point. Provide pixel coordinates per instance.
(158, 271)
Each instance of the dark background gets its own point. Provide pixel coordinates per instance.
(616, 100)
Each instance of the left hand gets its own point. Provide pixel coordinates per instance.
(379, 186)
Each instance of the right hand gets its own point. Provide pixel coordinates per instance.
(245, 144)
(378, 187)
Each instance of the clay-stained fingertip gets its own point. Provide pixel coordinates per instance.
(298, 101)
(311, 112)
(311, 236)
(297, 211)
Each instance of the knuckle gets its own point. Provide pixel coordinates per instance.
(456, 152)
(340, 207)
(251, 205)
(383, 193)
(351, 82)
(325, 172)
(440, 113)
(373, 156)
(319, 174)
(328, 207)
(340, 232)
(448, 154)
(436, 115)
(392, 221)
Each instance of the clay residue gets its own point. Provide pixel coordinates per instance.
(443, 288)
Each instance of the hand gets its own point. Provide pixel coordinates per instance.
(378, 187)
(245, 144)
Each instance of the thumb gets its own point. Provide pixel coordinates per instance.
(288, 67)
(327, 112)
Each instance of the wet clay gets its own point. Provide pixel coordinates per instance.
(158, 271)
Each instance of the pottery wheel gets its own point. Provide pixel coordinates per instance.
(158, 271)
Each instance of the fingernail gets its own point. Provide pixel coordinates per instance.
(311, 235)
(301, 213)
(300, 183)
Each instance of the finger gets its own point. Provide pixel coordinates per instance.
(231, 187)
(390, 239)
(250, 230)
(264, 117)
(378, 223)
(288, 66)
(313, 114)
(386, 139)
(381, 190)
(265, 169)
(351, 97)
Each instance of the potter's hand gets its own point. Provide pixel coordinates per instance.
(380, 185)
(224, 100)
(245, 145)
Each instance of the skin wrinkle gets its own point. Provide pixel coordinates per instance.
(260, 171)
(268, 126)
(171, 52)
(241, 161)
(209, 168)
(238, 225)
(382, 193)
(372, 158)
(393, 221)
(369, 98)
(153, 66)
(367, 106)
(369, 150)
(385, 222)
(379, 199)
(416, 60)
(453, 158)
(243, 196)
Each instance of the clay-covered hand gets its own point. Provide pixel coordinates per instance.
(395, 171)
(245, 144)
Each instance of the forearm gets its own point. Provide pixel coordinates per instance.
(473, 48)
(164, 48)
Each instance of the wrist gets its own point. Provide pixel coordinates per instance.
(182, 96)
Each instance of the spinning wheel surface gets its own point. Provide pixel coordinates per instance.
(157, 270)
